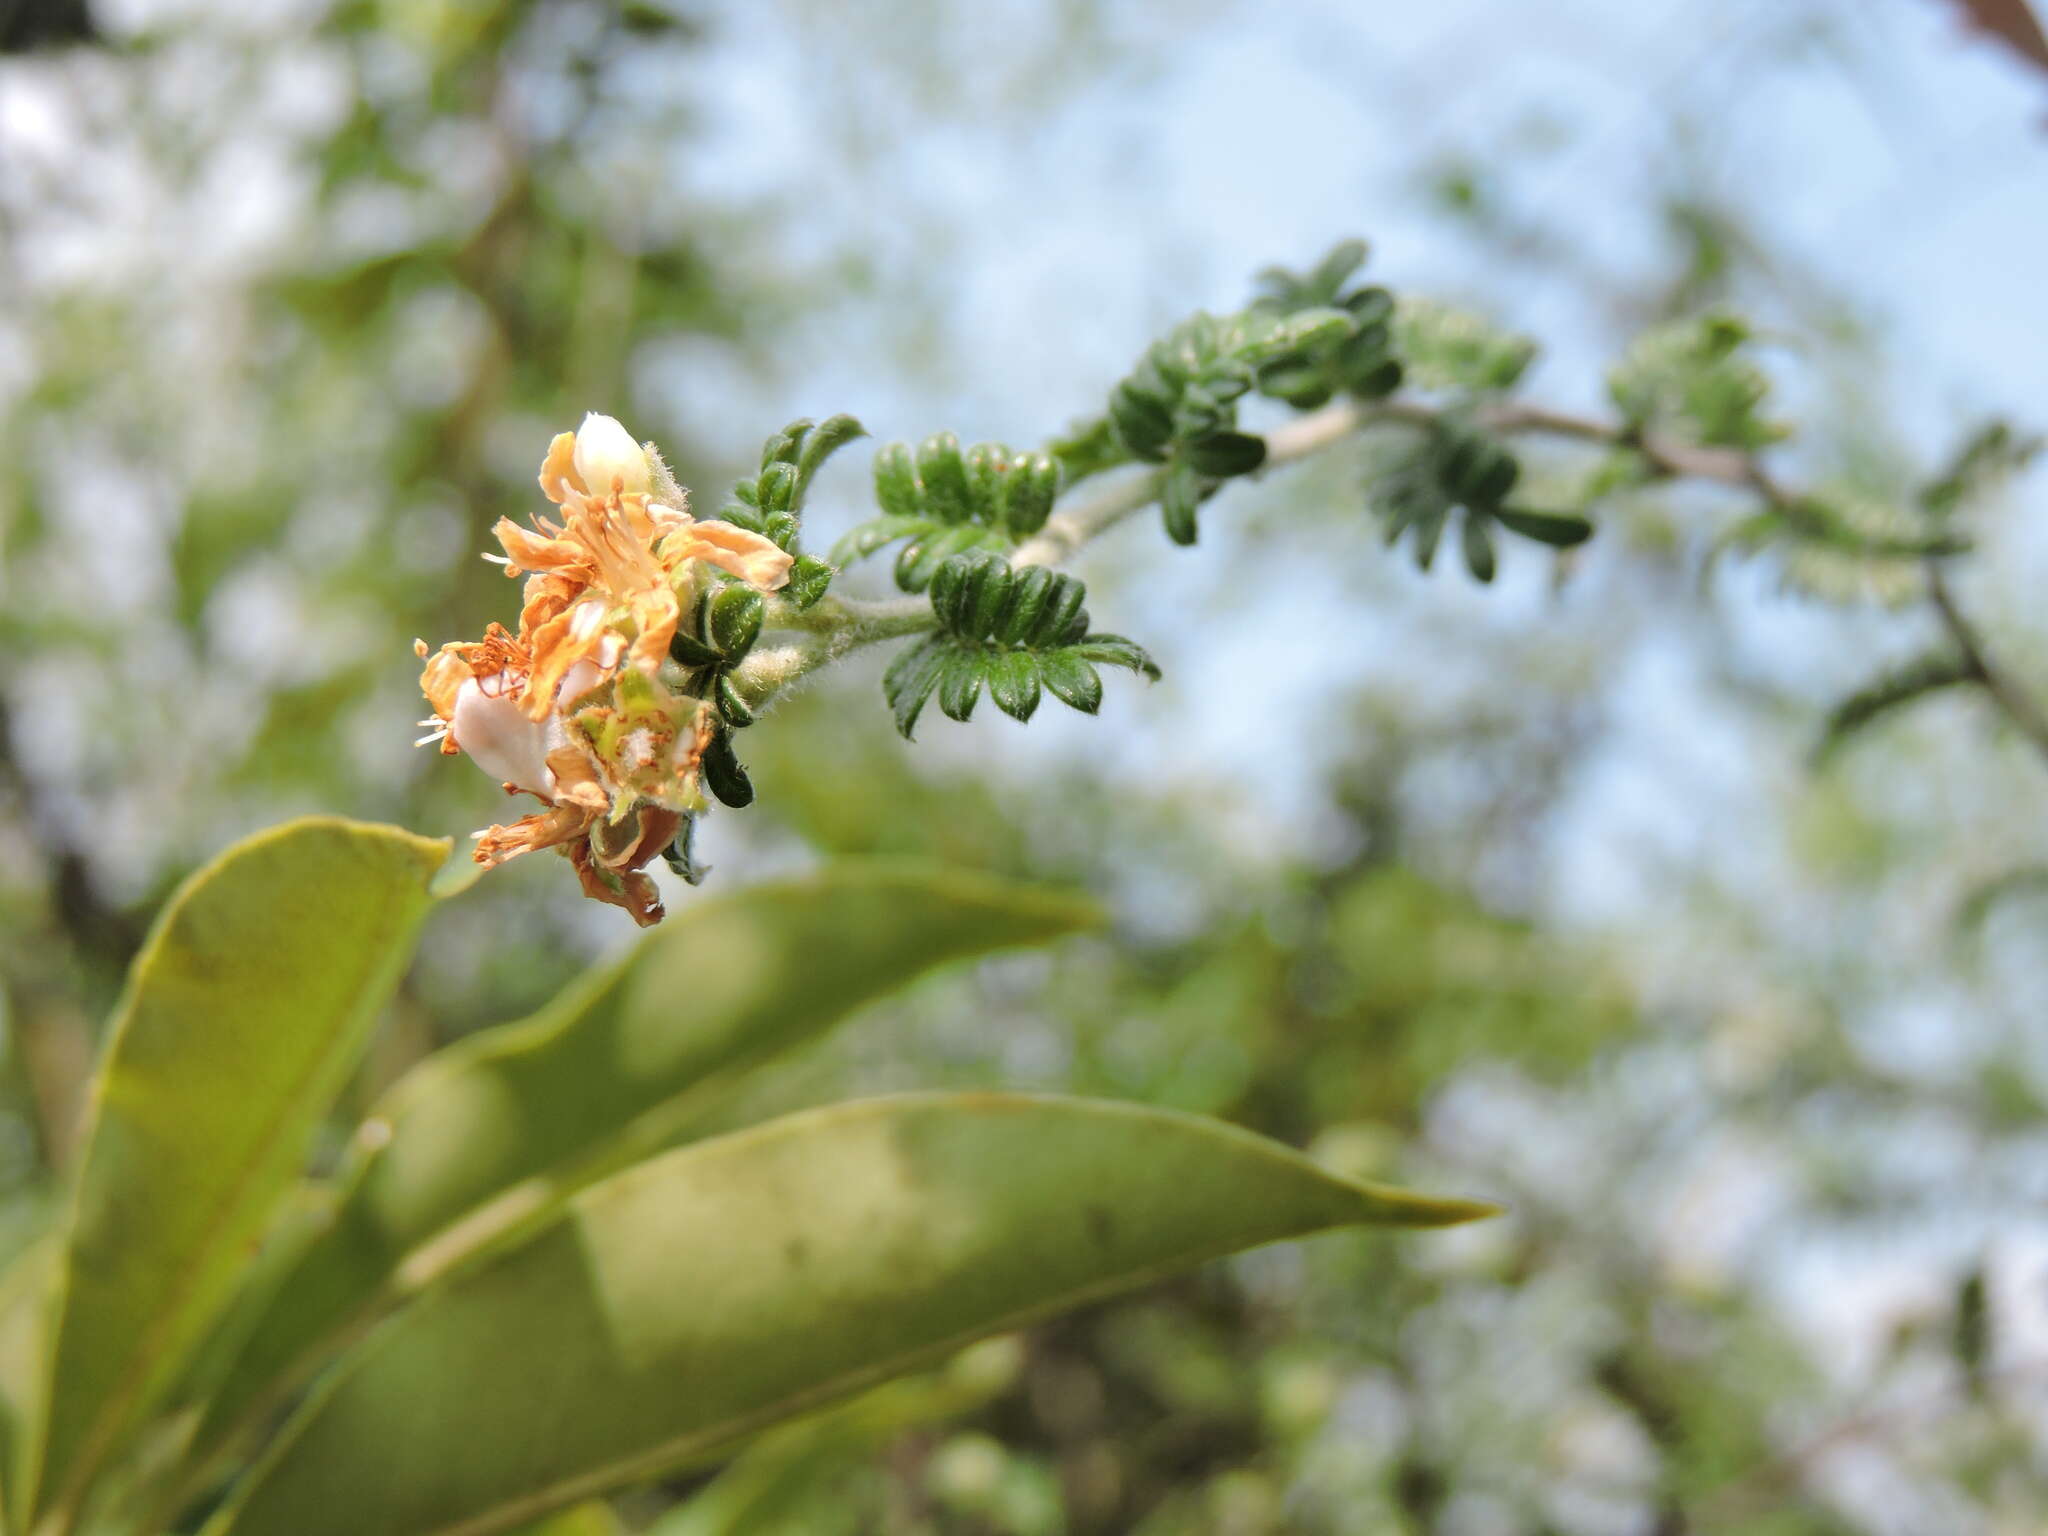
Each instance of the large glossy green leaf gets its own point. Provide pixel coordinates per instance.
(496, 1129)
(721, 1287)
(592, 1519)
(243, 1014)
(780, 1477)
(24, 1308)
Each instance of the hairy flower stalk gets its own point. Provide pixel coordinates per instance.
(572, 708)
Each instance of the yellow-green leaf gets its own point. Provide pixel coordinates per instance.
(243, 1014)
(495, 1130)
(592, 1519)
(24, 1311)
(722, 1287)
(770, 1484)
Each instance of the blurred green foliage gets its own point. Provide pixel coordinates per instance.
(240, 478)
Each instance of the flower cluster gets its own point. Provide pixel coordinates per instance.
(573, 708)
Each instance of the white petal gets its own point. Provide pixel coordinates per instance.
(606, 454)
(509, 747)
(577, 681)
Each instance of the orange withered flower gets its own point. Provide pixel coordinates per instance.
(573, 708)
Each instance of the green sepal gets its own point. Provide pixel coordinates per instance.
(681, 855)
(733, 707)
(689, 651)
(723, 775)
(734, 618)
(809, 579)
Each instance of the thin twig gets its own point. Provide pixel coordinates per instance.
(2018, 706)
(1673, 459)
(1089, 516)
(840, 625)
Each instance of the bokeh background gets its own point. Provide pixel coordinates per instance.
(1535, 890)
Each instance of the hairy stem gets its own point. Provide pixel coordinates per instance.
(860, 620)
(830, 628)
(837, 625)
(1088, 516)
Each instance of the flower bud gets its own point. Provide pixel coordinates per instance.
(607, 458)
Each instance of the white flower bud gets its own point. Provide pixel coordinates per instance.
(607, 456)
(489, 725)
